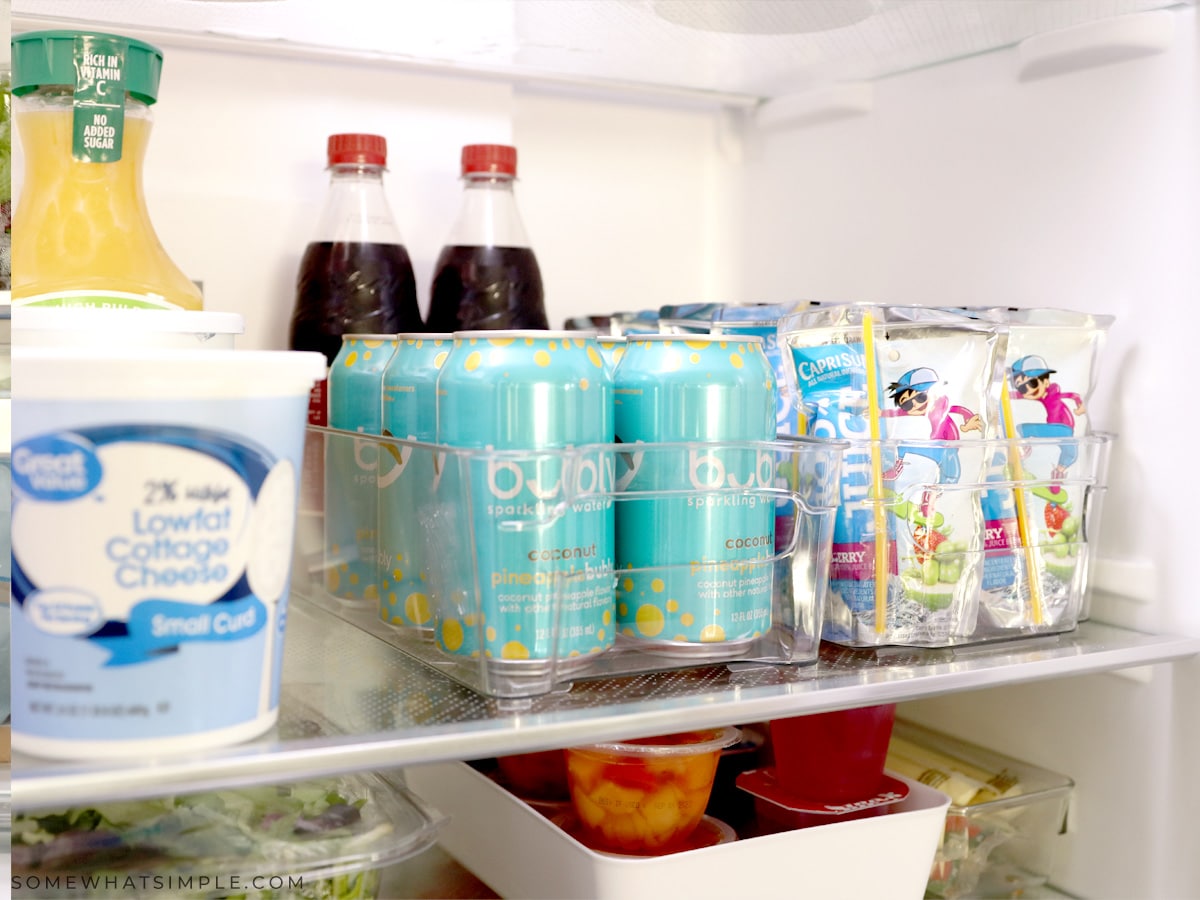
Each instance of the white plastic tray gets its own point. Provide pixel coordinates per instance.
(520, 853)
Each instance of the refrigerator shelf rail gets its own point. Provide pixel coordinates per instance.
(351, 702)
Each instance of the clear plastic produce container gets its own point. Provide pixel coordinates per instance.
(326, 838)
(1005, 815)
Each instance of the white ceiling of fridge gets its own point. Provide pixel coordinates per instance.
(739, 50)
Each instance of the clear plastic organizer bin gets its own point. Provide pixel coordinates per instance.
(986, 540)
(1002, 828)
(516, 572)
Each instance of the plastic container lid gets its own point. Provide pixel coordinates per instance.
(39, 325)
(48, 57)
(707, 740)
(77, 374)
(364, 149)
(497, 158)
(319, 829)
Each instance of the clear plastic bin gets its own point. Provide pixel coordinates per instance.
(959, 563)
(327, 837)
(515, 572)
(1005, 815)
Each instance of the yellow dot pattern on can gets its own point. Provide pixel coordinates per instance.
(622, 610)
(473, 360)
(650, 620)
(600, 634)
(657, 585)
(371, 593)
(372, 343)
(440, 358)
(580, 343)
(694, 358)
(687, 620)
(607, 617)
(627, 583)
(595, 357)
(490, 633)
(452, 635)
(351, 358)
(735, 360)
(514, 650)
(528, 342)
(712, 634)
(500, 342)
(353, 578)
(672, 606)
(554, 345)
(366, 356)
(542, 358)
(416, 607)
(397, 574)
(697, 345)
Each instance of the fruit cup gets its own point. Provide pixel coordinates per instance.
(833, 757)
(645, 796)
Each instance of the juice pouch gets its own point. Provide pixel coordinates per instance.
(1049, 373)
(932, 371)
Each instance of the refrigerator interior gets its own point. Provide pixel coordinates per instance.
(989, 179)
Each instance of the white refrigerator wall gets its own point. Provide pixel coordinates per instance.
(964, 185)
(626, 203)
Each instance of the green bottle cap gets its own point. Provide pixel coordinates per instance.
(42, 58)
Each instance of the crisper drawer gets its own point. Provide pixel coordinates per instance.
(520, 852)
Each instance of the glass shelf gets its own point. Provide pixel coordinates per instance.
(353, 702)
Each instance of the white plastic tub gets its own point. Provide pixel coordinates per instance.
(154, 503)
(531, 857)
(107, 328)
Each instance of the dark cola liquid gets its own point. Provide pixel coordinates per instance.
(486, 289)
(352, 288)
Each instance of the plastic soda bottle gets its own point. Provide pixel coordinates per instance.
(487, 277)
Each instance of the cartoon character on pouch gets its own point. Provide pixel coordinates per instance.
(1031, 381)
(911, 394)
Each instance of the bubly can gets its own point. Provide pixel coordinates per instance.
(695, 570)
(409, 477)
(352, 465)
(612, 348)
(543, 559)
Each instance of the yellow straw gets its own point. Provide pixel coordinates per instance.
(881, 546)
(1017, 473)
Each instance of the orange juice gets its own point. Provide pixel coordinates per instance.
(82, 234)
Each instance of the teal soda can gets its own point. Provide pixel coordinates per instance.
(409, 477)
(612, 348)
(695, 554)
(539, 590)
(352, 467)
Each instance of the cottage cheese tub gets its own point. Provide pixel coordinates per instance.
(154, 504)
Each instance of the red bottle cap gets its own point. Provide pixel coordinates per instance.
(489, 158)
(369, 149)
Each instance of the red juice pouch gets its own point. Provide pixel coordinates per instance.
(932, 371)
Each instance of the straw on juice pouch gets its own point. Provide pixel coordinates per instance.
(933, 369)
(1049, 373)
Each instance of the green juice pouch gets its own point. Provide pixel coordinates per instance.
(933, 370)
(1049, 372)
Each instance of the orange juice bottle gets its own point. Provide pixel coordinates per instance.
(82, 235)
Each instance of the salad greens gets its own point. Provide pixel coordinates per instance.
(326, 834)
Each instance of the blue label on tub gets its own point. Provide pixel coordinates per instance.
(151, 551)
(56, 467)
